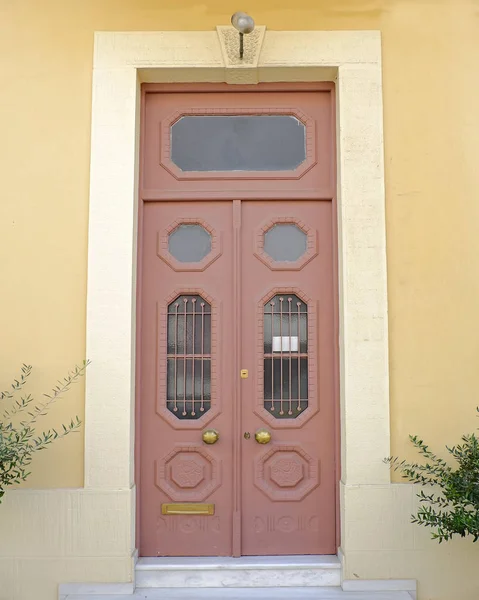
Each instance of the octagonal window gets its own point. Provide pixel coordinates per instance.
(238, 143)
(285, 242)
(189, 243)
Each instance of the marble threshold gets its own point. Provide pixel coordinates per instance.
(252, 572)
(265, 578)
(291, 593)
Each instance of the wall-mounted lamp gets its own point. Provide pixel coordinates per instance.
(244, 24)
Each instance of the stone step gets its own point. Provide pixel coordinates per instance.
(244, 572)
(270, 593)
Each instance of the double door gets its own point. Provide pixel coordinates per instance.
(236, 397)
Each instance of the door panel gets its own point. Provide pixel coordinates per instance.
(188, 374)
(186, 378)
(288, 484)
(232, 145)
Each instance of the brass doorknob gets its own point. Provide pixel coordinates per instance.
(210, 436)
(262, 436)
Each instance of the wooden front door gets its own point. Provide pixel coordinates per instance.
(187, 378)
(287, 342)
(236, 431)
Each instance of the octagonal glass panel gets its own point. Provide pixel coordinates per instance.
(189, 243)
(238, 143)
(285, 242)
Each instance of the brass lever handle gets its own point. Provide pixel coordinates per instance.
(210, 436)
(262, 436)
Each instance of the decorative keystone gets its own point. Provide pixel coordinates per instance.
(241, 70)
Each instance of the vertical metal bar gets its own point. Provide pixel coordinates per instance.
(281, 411)
(272, 357)
(202, 407)
(175, 359)
(193, 413)
(299, 357)
(185, 324)
(290, 360)
(241, 35)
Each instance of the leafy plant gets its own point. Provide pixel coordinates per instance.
(454, 508)
(19, 440)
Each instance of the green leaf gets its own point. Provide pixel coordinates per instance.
(19, 442)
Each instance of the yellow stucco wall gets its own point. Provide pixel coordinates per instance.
(431, 93)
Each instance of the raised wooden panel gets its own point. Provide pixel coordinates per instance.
(286, 473)
(188, 473)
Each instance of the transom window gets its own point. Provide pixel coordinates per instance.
(285, 356)
(238, 142)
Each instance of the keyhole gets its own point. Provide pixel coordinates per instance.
(247, 435)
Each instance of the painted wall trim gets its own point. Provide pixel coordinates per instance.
(121, 62)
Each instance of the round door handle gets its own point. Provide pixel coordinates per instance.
(210, 436)
(262, 436)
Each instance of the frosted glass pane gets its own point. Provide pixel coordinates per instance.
(285, 242)
(189, 243)
(238, 143)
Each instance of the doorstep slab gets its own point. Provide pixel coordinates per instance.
(250, 572)
(250, 594)
(243, 562)
(238, 578)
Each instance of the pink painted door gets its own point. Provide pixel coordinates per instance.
(186, 378)
(228, 287)
(236, 322)
(287, 323)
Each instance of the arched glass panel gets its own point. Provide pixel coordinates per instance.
(285, 356)
(189, 357)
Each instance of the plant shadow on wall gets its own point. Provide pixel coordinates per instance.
(450, 505)
(19, 413)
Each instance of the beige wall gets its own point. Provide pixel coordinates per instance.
(431, 124)
(431, 133)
